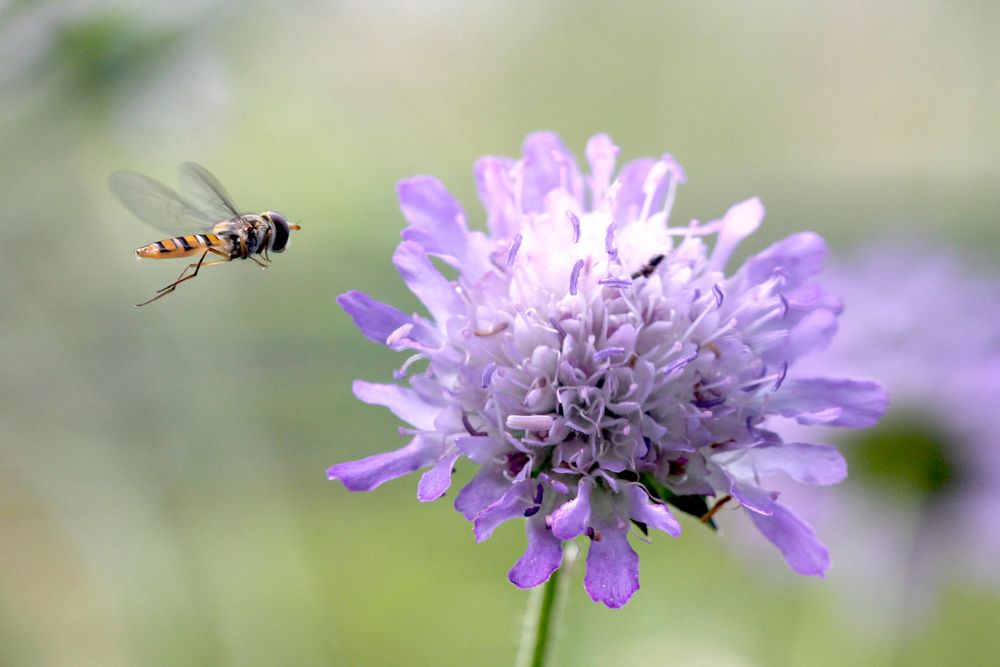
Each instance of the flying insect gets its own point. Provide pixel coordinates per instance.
(207, 221)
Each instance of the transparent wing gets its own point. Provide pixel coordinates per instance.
(206, 191)
(158, 205)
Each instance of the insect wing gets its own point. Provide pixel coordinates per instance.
(206, 190)
(158, 205)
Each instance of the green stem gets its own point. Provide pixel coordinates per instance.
(540, 619)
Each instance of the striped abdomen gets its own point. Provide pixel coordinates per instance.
(180, 246)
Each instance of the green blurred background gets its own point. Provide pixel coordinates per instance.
(162, 488)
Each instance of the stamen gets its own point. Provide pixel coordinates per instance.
(530, 422)
(609, 242)
(652, 182)
(575, 221)
(574, 276)
(694, 325)
(538, 495)
(730, 325)
(400, 333)
(677, 364)
(719, 295)
(781, 377)
(400, 372)
(607, 353)
(488, 374)
(532, 511)
(492, 331)
(753, 385)
(554, 483)
(676, 176)
(766, 339)
(514, 246)
(763, 319)
(724, 382)
(620, 283)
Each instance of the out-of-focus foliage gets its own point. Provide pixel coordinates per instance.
(162, 494)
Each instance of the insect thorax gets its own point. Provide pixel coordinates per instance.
(249, 231)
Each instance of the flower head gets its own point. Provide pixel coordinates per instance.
(598, 364)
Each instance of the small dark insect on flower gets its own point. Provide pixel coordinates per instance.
(648, 268)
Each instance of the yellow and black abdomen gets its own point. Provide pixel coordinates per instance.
(180, 246)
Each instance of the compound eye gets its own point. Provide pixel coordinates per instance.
(281, 231)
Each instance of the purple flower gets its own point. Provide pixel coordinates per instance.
(598, 364)
(921, 504)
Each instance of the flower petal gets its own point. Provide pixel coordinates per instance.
(488, 485)
(496, 191)
(377, 321)
(435, 482)
(601, 154)
(511, 504)
(752, 497)
(800, 256)
(422, 277)
(612, 565)
(655, 515)
(482, 449)
(834, 402)
(812, 333)
(373, 471)
(547, 166)
(572, 517)
(802, 461)
(739, 222)
(404, 403)
(630, 196)
(374, 319)
(541, 558)
(796, 540)
(437, 220)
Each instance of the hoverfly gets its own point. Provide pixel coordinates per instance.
(208, 211)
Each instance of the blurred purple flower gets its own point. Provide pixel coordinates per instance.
(598, 364)
(925, 488)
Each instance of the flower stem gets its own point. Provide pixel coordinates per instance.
(539, 621)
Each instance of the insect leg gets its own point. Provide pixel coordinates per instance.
(172, 286)
(195, 266)
(707, 516)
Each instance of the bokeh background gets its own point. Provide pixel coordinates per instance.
(162, 488)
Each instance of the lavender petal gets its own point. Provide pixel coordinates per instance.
(795, 539)
(541, 558)
(371, 472)
(833, 402)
